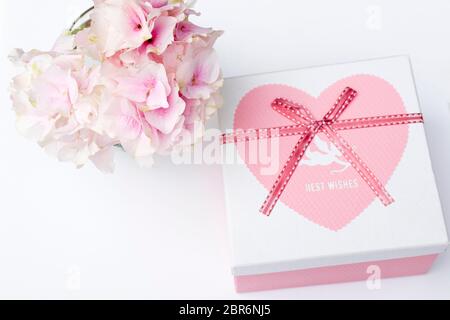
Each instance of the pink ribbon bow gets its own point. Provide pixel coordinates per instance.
(307, 127)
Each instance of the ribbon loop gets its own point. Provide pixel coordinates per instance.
(294, 112)
(344, 100)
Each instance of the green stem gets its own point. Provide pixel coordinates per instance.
(84, 25)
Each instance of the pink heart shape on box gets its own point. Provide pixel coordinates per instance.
(322, 189)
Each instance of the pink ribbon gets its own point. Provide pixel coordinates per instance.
(307, 127)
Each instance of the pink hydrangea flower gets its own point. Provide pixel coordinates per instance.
(165, 119)
(127, 123)
(119, 24)
(146, 84)
(138, 74)
(199, 74)
(55, 99)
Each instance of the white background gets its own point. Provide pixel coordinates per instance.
(160, 234)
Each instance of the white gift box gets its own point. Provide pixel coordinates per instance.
(329, 225)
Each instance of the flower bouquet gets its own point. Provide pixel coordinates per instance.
(131, 73)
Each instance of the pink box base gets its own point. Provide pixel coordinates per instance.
(335, 274)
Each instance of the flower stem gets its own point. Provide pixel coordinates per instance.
(78, 20)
